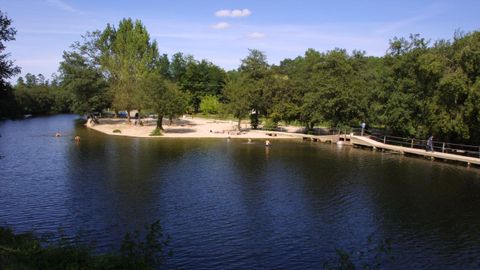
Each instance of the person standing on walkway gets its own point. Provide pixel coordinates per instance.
(430, 144)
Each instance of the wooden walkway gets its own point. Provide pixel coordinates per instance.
(315, 138)
(367, 142)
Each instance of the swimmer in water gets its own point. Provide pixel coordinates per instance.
(267, 143)
(249, 140)
(58, 134)
(77, 138)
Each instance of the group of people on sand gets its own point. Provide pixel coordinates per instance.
(76, 138)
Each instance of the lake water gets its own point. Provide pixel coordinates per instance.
(233, 205)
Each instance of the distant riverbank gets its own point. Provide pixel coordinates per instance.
(191, 127)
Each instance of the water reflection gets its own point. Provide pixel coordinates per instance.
(230, 204)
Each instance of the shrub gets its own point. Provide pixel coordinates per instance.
(117, 131)
(28, 251)
(156, 132)
(210, 105)
(270, 124)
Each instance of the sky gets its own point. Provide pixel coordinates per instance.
(223, 31)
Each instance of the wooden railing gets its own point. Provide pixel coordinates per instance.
(438, 146)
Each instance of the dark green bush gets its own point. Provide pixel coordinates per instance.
(270, 124)
(27, 251)
(156, 132)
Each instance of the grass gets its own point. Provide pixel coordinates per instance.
(156, 132)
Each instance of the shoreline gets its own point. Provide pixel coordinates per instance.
(195, 127)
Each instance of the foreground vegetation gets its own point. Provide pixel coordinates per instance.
(28, 251)
(418, 88)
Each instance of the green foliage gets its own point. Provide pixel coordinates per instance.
(82, 77)
(270, 124)
(254, 120)
(7, 33)
(416, 89)
(156, 132)
(238, 97)
(128, 56)
(429, 87)
(163, 97)
(39, 96)
(27, 251)
(8, 105)
(200, 79)
(210, 105)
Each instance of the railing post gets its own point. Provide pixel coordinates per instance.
(384, 139)
(443, 148)
(411, 145)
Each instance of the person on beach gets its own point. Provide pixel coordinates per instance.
(430, 144)
(136, 118)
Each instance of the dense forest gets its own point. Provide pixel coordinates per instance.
(417, 88)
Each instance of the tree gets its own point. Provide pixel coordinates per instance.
(202, 78)
(238, 97)
(85, 82)
(81, 75)
(7, 67)
(256, 71)
(128, 56)
(163, 97)
(176, 101)
(163, 65)
(178, 66)
(40, 96)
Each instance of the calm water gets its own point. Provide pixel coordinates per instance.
(232, 205)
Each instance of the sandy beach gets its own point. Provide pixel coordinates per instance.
(189, 127)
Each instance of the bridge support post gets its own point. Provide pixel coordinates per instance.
(443, 148)
(411, 145)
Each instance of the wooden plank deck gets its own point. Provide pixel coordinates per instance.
(364, 141)
(319, 138)
(367, 142)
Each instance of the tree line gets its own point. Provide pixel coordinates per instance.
(416, 89)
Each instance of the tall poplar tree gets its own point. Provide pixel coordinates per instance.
(128, 57)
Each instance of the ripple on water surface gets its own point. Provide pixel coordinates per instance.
(232, 205)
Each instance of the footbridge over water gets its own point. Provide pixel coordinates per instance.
(366, 141)
(467, 154)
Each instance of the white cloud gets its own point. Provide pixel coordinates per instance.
(256, 35)
(221, 25)
(233, 13)
(61, 5)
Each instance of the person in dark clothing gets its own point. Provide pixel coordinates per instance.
(136, 118)
(430, 144)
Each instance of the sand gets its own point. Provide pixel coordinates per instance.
(188, 127)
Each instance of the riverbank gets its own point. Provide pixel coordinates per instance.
(191, 127)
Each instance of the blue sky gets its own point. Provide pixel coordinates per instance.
(222, 31)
